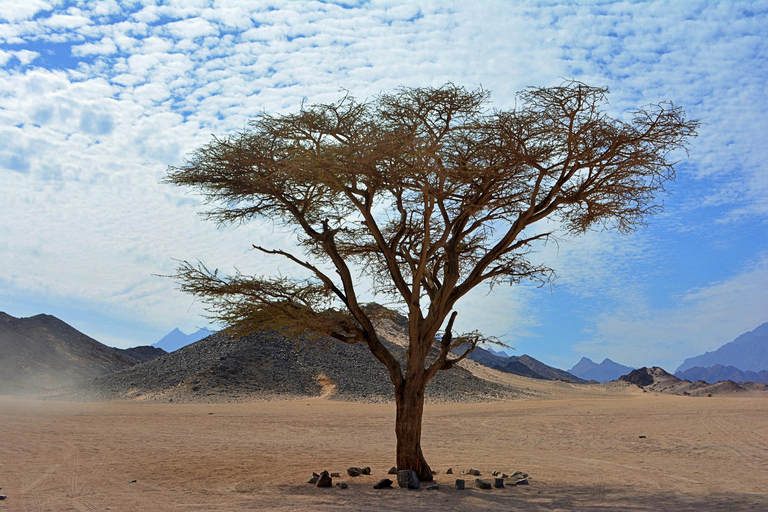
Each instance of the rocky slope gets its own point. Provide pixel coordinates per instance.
(221, 368)
(656, 379)
(524, 365)
(42, 352)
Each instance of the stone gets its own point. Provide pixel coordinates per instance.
(433, 487)
(495, 473)
(517, 475)
(366, 471)
(3, 496)
(344, 485)
(385, 483)
(324, 480)
(354, 471)
(335, 475)
(408, 478)
(392, 471)
(504, 475)
(313, 479)
(434, 472)
(474, 472)
(522, 481)
(449, 472)
(498, 483)
(482, 484)
(459, 484)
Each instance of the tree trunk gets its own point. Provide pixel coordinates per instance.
(409, 400)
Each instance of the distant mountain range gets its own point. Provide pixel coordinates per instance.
(748, 352)
(603, 372)
(176, 339)
(42, 352)
(719, 373)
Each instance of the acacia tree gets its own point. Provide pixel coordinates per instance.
(429, 193)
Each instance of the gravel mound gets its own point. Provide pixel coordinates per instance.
(266, 366)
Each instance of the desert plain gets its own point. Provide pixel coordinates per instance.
(582, 451)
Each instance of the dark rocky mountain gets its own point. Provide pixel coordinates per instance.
(268, 365)
(603, 372)
(656, 379)
(747, 352)
(42, 352)
(720, 373)
(176, 339)
(524, 365)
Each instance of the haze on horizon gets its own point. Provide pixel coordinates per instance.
(100, 97)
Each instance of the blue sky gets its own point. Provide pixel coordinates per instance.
(97, 98)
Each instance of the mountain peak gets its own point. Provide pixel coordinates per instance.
(748, 352)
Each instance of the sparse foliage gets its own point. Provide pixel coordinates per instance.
(430, 194)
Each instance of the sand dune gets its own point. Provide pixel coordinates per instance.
(582, 452)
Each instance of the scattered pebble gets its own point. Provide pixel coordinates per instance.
(354, 471)
(343, 485)
(433, 487)
(449, 472)
(392, 471)
(366, 471)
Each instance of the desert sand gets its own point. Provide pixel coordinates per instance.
(581, 453)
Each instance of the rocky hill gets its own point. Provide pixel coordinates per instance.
(221, 368)
(656, 379)
(720, 373)
(603, 372)
(524, 365)
(42, 352)
(747, 352)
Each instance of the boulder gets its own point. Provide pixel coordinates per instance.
(385, 483)
(313, 478)
(392, 471)
(366, 471)
(324, 480)
(408, 478)
(459, 484)
(517, 475)
(354, 471)
(449, 471)
(474, 472)
(482, 484)
(498, 483)
(522, 481)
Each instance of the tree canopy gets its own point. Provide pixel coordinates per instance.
(429, 193)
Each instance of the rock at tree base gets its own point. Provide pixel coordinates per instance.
(324, 480)
(474, 472)
(408, 478)
(392, 471)
(385, 483)
(482, 484)
(498, 483)
(449, 472)
(433, 487)
(354, 471)
(459, 484)
(366, 471)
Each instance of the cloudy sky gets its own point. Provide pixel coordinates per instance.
(98, 98)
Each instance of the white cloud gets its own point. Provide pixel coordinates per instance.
(160, 81)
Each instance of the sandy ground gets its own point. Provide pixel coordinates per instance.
(699, 454)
